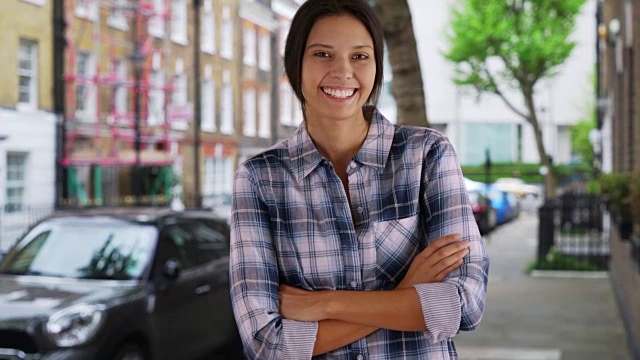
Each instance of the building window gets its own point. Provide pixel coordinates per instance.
(179, 101)
(179, 21)
(265, 50)
(500, 139)
(286, 106)
(179, 95)
(218, 173)
(249, 44)
(156, 98)
(249, 112)
(227, 33)
(226, 104)
(16, 181)
(87, 9)
(28, 73)
(208, 28)
(117, 15)
(85, 89)
(156, 23)
(120, 89)
(264, 125)
(208, 105)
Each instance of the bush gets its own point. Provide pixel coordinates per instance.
(529, 172)
(559, 261)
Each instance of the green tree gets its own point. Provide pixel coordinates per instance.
(580, 132)
(407, 87)
(502, 45)
(580, 142)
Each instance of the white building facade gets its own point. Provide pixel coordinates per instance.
(474, 125)
(27, 170)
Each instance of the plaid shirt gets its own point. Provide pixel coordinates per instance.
(292, 224)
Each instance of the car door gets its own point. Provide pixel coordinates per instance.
(176, 300)
(211, 251)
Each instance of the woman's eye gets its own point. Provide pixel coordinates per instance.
(361, 56)
(321, 54)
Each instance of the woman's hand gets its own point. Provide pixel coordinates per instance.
(301, 305)
(435, 262)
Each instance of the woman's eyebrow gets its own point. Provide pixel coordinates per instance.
(331, 47)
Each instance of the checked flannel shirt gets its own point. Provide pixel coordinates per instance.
(292, 224)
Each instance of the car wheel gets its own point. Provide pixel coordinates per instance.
(131, 352)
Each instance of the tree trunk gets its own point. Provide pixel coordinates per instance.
(407, 87)
(545, 159)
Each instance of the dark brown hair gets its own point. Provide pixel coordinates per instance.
(304, 19)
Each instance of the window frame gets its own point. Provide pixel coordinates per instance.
(31, 74)
(13, 184)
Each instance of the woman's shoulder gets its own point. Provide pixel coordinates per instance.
(273, 158)
(425, 136)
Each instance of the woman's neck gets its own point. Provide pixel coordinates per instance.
(338, 141)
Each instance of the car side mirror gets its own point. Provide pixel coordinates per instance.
(171, 269)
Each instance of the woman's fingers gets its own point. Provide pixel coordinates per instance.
(439, 244)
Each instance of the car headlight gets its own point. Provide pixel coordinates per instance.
(75, 325)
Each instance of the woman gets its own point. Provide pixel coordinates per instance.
(354, 238)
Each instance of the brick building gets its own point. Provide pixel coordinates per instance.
(619, 121)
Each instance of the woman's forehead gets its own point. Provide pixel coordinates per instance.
(339, 30)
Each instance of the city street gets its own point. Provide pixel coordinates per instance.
(541, 318)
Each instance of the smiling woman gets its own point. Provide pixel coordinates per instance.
(354, 238)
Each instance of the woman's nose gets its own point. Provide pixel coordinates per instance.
(342, 69)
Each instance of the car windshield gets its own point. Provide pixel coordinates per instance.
(83, 249)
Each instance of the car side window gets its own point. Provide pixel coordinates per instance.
(175, 241)
(211, 240)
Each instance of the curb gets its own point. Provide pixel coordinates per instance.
(560, 274)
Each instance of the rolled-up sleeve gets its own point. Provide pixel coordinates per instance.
(457, 303)
(254, 281)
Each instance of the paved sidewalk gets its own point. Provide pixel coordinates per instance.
(541, 318)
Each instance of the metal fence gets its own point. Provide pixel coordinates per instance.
(15, 223)
(572, 225)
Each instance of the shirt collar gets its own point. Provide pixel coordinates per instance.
(374, 152)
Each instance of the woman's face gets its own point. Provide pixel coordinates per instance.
(338, 69)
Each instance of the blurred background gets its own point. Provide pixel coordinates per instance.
(112, 103)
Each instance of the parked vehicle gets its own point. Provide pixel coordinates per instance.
(505, 210)
(517, 186)
(118, 284)
(483, 211)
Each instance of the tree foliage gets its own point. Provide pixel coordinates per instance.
(529, 38)
(580, 142)
(503, 45)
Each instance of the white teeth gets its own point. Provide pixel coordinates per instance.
(341, 94)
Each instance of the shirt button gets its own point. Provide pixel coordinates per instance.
(359, 210)
(354, 284)
(360, 357)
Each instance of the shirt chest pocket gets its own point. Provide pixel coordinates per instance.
(397, 243)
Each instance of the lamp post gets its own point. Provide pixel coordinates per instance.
(137, 60)
(487, 180)
(197, 103)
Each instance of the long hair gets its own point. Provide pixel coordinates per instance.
(304, 20)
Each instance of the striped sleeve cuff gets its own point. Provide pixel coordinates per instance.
(299, 339)
(441, 309)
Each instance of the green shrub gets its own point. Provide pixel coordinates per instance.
(559, 261)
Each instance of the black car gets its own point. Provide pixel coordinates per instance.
(118, 284)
